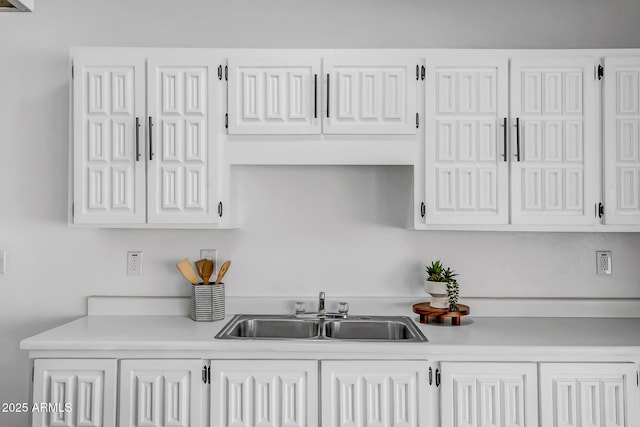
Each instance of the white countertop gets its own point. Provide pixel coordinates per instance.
(509, 338)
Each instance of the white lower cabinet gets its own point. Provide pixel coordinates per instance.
(358, 393)
(489, 395)
(74, 392)
(273, 393)
(161, 393)
(589, 395)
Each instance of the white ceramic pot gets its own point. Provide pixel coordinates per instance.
(438, 292)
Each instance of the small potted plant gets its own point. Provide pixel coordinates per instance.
(442, 286)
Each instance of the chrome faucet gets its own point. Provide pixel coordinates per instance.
(321, 303)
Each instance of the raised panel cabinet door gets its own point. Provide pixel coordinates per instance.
(621, 140)
(489, 394)
(589, 395)
(554, 145)
(370, 94)
(108, 139)
(466, 163)
(274, 95)
(161, 393)
(74, 393)
(269, 393)
(389, 393)
(183, 95)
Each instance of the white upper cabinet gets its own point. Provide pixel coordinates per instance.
(108, 149)
(467, 169)
(589, 395)
(144, 143)
(555, 116)
(621, 139)
(369, 94)
(181, 95)
(274, 95)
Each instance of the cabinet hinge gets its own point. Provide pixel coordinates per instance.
(206, 374)
(220, 209)
(219, 72)
(423, 72)
(417, 120)
(600, 72)
(33, 373)
(438, 377)
(72, 71)
(423, 209)
(226, 72)
(226, 121)
(430, 375)
(638, 378)
(417, 72)
(599, 210)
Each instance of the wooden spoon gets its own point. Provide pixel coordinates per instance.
(207, 271)
(187, 271)
(199, 267)
(222, 272)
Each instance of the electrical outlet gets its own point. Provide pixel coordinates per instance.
(211, 254)
(3, 257)
(603, 263)
(134, 263)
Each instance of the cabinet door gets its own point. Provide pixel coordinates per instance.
(160, 393)
(589, 395)
(274, 393)
(108, 144)
(183, 95)
(82, 392)
(369, 94)
(274, 95)
(374, 393)
(489, 395)
(467, 172)
(555, 156)
(621, 139)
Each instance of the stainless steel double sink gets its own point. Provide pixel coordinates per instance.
(352, 328)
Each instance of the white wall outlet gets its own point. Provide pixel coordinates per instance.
(603, 263)
(213, 255)
(3, 258)
(134, 263)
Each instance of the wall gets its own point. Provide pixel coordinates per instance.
(339, 229)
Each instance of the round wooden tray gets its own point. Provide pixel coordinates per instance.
(425, 311)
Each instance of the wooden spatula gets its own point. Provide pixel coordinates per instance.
(187, 271)
(223, 271)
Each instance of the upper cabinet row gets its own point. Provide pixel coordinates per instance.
(515, 139)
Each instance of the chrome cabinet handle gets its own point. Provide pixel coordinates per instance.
(137, 139)
(328, 90)
(506, 136)
(150, 138)
(517, 138)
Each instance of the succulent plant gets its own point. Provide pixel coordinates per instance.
(436, 272)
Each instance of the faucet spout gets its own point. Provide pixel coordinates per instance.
(321, 303)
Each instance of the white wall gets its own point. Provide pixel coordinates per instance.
(338, 229)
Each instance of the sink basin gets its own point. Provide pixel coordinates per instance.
(374, 330)
(353, 328)
(274, 328)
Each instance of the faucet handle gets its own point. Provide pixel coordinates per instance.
(343, 307)
(321, 295)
